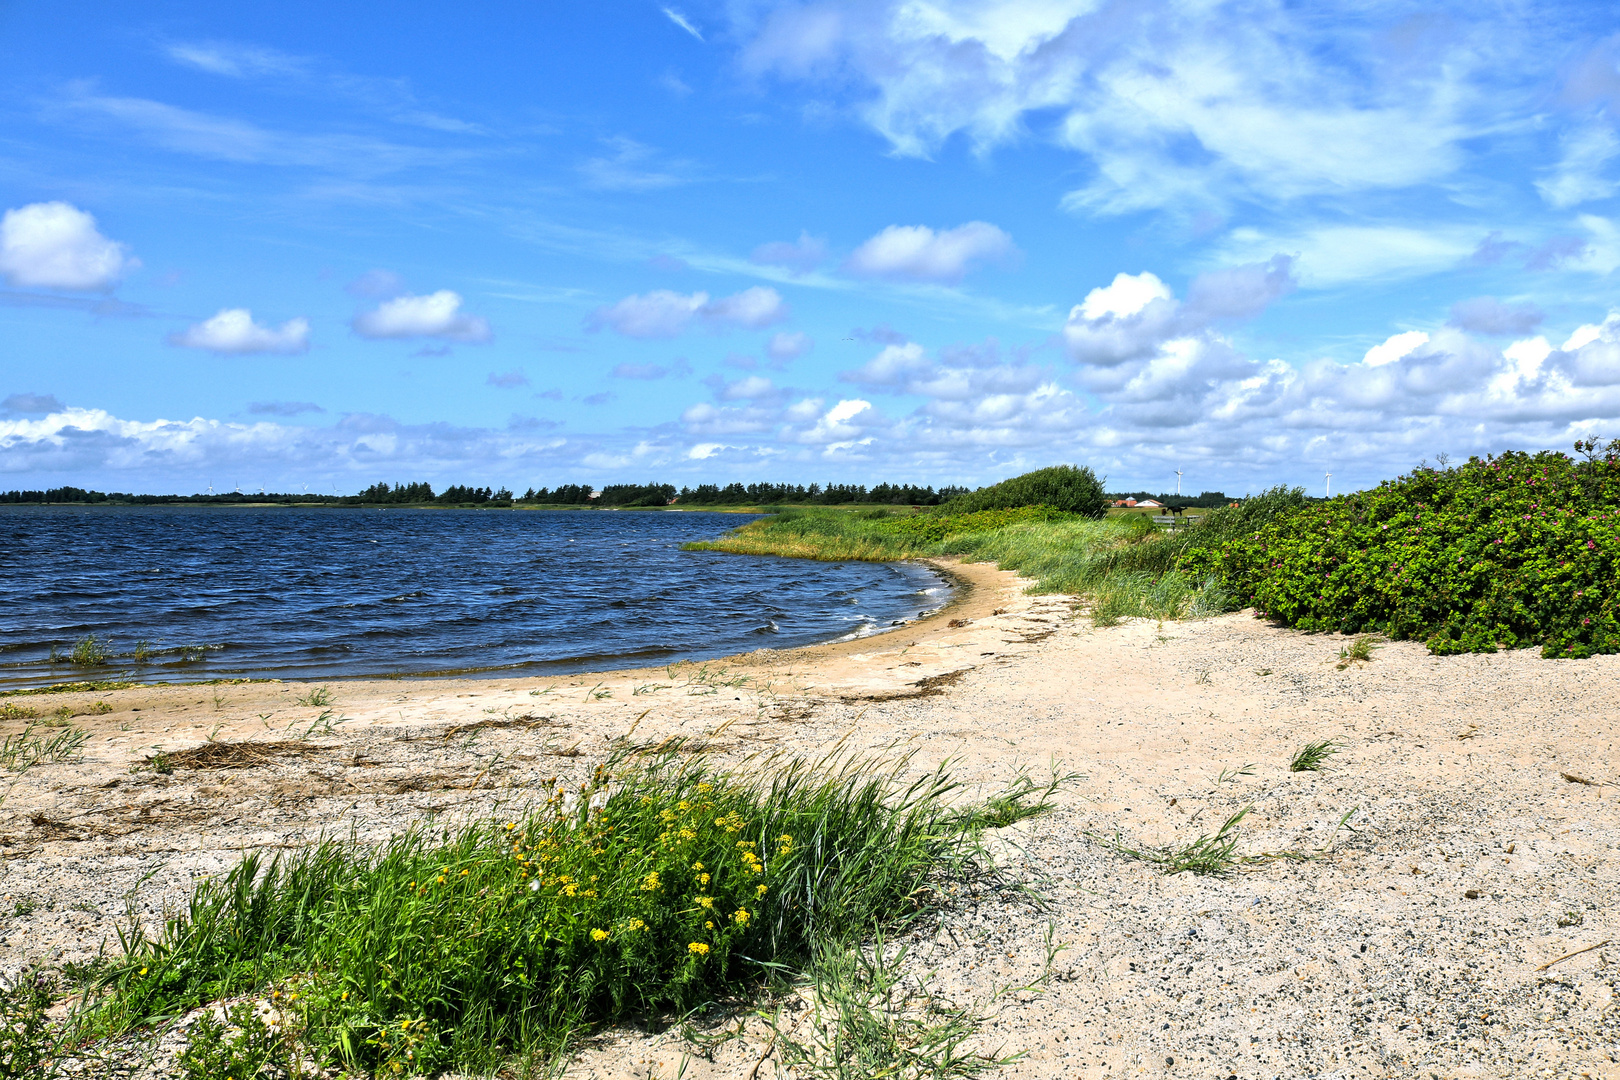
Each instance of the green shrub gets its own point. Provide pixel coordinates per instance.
(647, 893)
(1074, 489)
(933, 527)
(1501, 552)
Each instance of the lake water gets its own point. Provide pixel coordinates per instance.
(324, 593)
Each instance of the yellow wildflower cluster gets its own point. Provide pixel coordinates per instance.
(599, 935)
(650, 882)
(698, 947)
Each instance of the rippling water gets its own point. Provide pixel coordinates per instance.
(313, 593)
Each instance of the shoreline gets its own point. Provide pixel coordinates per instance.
(1416, 907)
(962, 585)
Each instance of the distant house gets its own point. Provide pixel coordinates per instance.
(1124, 502)
(1154, 503)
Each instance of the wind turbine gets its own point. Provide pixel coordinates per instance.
(1327, 490)
(1178, 481)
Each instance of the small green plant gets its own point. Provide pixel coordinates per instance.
(255, 1052)
(1359, 651)
(867, 1019)
(1571, 918)
(160, 763)
(25, 906)
(28, 1040)
(90, 652)
(649, 688)
(1231, 776)
(21, 752)
(12, 711)
(1214, 855)
(324, 724)
(1313, 757)
(1021, 799)
(60, 716)
(144, 652)
(318, 697)
(219, 701)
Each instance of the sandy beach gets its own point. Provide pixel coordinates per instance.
(1446, 930)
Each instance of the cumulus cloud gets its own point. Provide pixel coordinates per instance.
(799, 257)
(54, 245)
(233, 332)
(1395, 347)
(666, 314)
(784, 346)
(283, 408)
(918, 253)
(1488, 315)
(436, 315)
(507, 380)
(30, 404)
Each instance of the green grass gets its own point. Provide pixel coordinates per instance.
(1313, 757)
(658, 888)
(1213, 855)
(21, 752)
(1124, 566)
(1358, 651)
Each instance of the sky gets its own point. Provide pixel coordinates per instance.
(314, 246)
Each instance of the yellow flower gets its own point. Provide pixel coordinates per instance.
(697, 866)
(684, 805)
(687, 834)
(760, 890)
(698, 947)
(741, 917)
(345, 996)
(708, 926)
(636, 924)
(705, 901)
(703, 879)
(570, 890)
(143, 971)
(650, 882)
(464, 873)
(441, 879)
(599, 935)
(705, 788)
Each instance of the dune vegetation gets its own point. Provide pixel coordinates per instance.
(1508, 551)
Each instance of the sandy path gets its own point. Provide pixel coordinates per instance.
(1407, 947)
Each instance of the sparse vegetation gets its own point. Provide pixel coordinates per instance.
(1359, 651)
(316, 698)
(28, 1040)
(21, 752)
(1313, 757)
(1209, 854)
(89, 651)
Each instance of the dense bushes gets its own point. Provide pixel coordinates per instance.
(1501, 552)
(1070, 488)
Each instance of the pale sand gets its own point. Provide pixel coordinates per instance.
(1370, 960)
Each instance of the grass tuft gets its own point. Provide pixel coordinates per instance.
(659, 886)
(317, 697)
(1313, 757)
(1214, 855)
(1359, 651)
(21, 752)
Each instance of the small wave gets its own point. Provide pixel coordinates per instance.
(770, 627)
(405, 597)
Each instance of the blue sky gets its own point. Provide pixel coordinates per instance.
(925, 241)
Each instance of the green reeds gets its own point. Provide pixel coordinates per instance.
(1313, 757)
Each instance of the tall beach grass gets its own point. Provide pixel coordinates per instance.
(656, 888)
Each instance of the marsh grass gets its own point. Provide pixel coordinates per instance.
(88, 651)
(318, 697)
(658, 887)
(1313, 757)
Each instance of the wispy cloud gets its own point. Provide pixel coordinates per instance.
(681, 21)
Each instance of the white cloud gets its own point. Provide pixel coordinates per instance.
(1171, 105)
(918, 253)
(1125, 296)
(1330, 255)
(681, 21)
(752, 309)
(666, 314)
(1579, 175)
(1397, 347)
(784, 346)
(436, 315)
(53, 245)
(233, 60)
(233, 331)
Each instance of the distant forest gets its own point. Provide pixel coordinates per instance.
(626, 495)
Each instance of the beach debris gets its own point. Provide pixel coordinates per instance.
(1577, 952)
